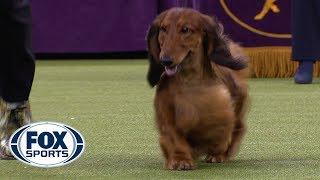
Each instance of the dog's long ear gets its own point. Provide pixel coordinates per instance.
(155, 69)
(217, 45)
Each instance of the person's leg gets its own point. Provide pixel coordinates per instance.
(304, 73)
(305, 38)
(17, 69)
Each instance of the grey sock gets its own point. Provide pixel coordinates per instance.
(14, 105)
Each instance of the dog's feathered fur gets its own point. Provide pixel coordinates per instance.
(199, 110)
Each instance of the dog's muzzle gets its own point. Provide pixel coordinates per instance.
(167, 63)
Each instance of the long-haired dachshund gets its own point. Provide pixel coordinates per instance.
(201, 95)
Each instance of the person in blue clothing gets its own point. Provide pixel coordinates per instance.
(17, 69)
(305, 38)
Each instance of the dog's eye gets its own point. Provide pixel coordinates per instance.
(185, 30)
(163, 29)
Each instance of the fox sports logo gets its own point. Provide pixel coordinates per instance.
(47, 144)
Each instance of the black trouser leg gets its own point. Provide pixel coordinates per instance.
(17, 64)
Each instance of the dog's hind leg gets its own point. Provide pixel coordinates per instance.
(225, 152)
(175, 147)
(240, 126)
(217, 153)
(222, 137)
(237, 136)
(218, 150)
(177, 152)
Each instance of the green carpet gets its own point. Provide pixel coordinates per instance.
(110, 103)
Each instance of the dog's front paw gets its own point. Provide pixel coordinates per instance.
(216, 158)
(180, 165)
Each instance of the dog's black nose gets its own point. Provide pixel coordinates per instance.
(166, 61)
